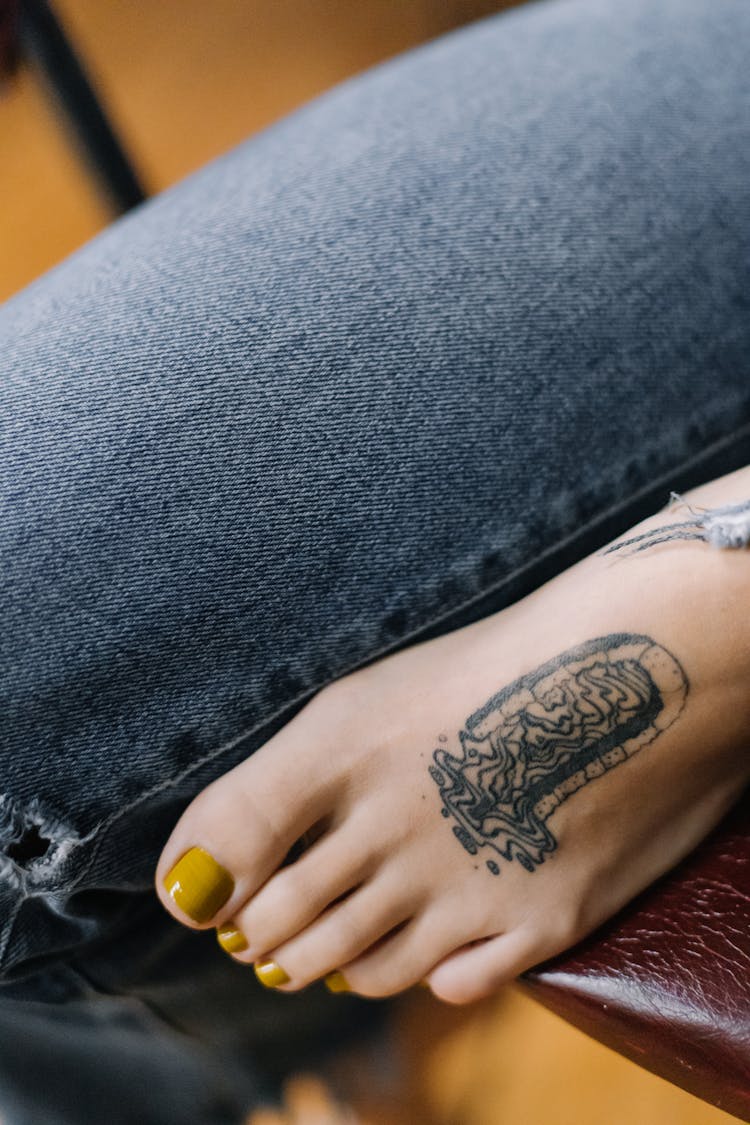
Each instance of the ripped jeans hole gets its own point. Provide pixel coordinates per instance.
(32, 845)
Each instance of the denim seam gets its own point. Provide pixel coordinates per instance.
(600, 517)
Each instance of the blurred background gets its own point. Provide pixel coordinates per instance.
(181, 83)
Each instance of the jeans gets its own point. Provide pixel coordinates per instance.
(375, 374)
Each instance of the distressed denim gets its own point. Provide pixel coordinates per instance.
(373, 375)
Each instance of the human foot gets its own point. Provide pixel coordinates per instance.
(604, 739)
(307, 1101)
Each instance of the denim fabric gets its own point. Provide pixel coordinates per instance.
(376, 373)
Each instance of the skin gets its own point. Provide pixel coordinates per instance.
(609, 714)
(307, 1101)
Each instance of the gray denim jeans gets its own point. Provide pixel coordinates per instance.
(373, 375)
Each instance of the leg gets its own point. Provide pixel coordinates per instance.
(330, 396)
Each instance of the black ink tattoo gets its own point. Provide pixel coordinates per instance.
(728, 526)
(538, 741)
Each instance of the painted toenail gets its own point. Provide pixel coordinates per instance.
(231, 939)
(199, 885)
(336, 982)
(270, 974)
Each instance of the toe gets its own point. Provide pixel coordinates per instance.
(310, 1102)
(343, 932)
(480, 969)
(298, 894)
(403, 959)
(237, 831)
(268, 1117)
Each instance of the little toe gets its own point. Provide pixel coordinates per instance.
(311, 1102)
(235, 833)
(478, 970)
(268, 1117)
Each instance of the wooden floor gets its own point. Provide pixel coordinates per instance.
(507, 1061)
(184, 82)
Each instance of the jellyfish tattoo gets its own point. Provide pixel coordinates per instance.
(538, 741)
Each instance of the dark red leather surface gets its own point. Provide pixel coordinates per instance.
(667, 981)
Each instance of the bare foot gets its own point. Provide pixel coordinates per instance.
(307, 1101)
(485, 799)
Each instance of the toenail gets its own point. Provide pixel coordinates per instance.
(199, 885)
(270, 974)
(231, 939)
(336, 982)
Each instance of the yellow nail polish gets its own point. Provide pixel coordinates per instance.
(336, 982)
(199, 885)
(231, 939)
(270, 974)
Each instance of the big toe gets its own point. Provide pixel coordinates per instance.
(238, 831)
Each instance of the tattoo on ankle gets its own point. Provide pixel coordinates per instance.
(548, 734)
(725, 527)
